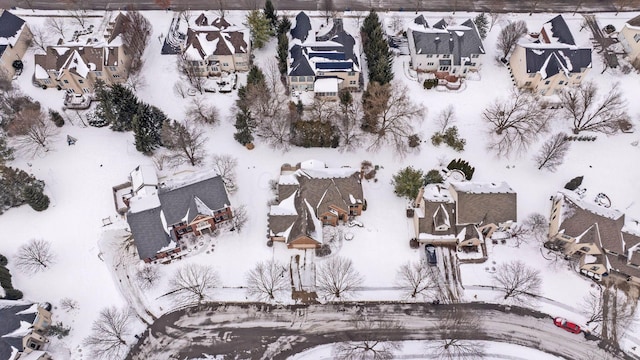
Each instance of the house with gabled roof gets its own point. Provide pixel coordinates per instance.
(602, 239)
(311, 195)
(445, 48)
(23, 330)
(162, 214)
(214, 45)
(547, 61)
(15, 38)
(463, 213)
(76, 65)
(324, 63)
(629, 37)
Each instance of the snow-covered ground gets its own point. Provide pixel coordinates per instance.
(79, 180)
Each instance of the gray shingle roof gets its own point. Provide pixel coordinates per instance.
(560, 30)
(300, 65)
(486, 207)
(635, 21)
(302, 27)
(148, 231)
(9, 24)
(420, 20)
(9, 322)
(456, 41)
(553, 61)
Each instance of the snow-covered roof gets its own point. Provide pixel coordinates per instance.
(482, 187)
(145, 202)
(285, 207)
(143, 175)
(329, 85)
(76, 62)
(437, 193)
(591, 206)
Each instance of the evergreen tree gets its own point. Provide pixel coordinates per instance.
(244, 134)
(105, 112)
(284, 25)
(433, 177)
(407, 182)
(147, 127)
(270, 13)
(376, 49)
(34, 196)
(255, 76)
(283, 53)
(125, 104)
(6, 152)
(260, 28)
(482, 23)
(56, 118)
(13, 183)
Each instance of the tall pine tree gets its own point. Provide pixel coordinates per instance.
(283, 53)
(376, 49)
(147, 128)
(270, 13)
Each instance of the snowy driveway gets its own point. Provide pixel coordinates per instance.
(255, 331)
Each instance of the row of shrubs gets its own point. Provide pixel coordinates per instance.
(5, 281)
(580, 138)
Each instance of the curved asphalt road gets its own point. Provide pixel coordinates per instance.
(360, 5)
(258, 331)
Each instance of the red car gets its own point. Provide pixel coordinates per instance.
(569, 326)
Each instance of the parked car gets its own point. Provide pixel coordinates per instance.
(564, 324)
(430, 251)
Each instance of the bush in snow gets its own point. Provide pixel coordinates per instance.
(34, 196)
(13, 185)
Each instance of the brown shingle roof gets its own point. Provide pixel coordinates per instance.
(635, 21)
(426, 226)
(578, 220)
(485, 207)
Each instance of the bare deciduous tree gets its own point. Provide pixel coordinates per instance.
(191, 72)
(186, 142)
(225, 165)
(520, 234)
(336, 278)
(266, 280)
(32, 130)
(35, 256)
(391, 116)
(40, 38)
(517, 280)
(147, 276)
(323, 110)
(136, 30)
(180, 89)
(57, 25)
(136, 81)
(416, 279)
(108, 334)
(78, 12)
(457, 325)
(200, 111)
(193, 284)
(538, 226)
(509, 36)
(240, 217)
(590, 112)
(376, 343)
(515, 122)
(68, 304)
(495, 17)
(446, 118)
(552, 152)
(348, 126)
(592, 305)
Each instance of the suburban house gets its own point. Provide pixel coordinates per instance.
(23, 330)
(214, 45)
(602, 239)
(463, 213)
(15, 38)
(629, 37)
(76, 65)
(547, 61)
(445, 49)
(324, 63)
(309, 196)
(162, 215)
